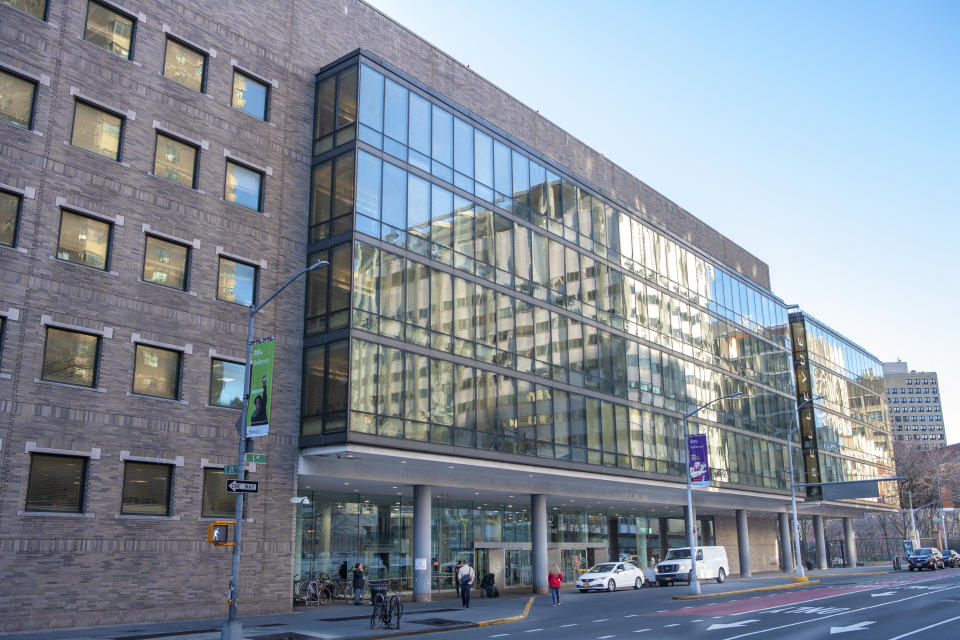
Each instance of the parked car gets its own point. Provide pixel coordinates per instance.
(711, 564)
(925, 558)
(951, 558)
(610, 576)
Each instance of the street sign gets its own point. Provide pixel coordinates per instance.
(258, 458)
(243, 486)
(231, 469)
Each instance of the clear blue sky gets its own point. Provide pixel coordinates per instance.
(823, 137)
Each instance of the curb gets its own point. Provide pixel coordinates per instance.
(458, 627)
(526, 612)
(778, 587)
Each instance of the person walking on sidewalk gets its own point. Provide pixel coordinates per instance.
(358, 583)
(555, 581)
(456, 581)
(465, 576)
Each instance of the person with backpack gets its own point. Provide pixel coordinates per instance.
(465, 576)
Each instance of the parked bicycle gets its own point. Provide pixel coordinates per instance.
(317, 593)
(386, 612)
(340, 588)
(301, 585)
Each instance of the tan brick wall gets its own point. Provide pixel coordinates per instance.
(764, 545)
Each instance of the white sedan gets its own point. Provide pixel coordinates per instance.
(610, 576)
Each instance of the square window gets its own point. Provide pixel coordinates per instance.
(84, 240)
(165, 263)
(250, 96)
(237, 282)
(156, 372)
(16, 99)
(146, 489)
(109, 29)
(226, 383)
(217, 502)
(9, 217)
(70, 357)
(36, 8)
(176, 161)
(185, 65)
(97, 130)
(243, 186)
(56, 483)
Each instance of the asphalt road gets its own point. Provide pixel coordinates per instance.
(890, 607)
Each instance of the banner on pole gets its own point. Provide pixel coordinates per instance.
(699, 465)
(261, 389)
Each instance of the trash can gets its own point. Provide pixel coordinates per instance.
(809, 565)
(379, 586)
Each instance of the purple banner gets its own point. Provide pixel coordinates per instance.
(699, 465)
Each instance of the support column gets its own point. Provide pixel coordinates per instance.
(538, 542)
(821, 539)
(851, 541)
(743, 543)
(422, 508)
(786, 543)
(613, 539)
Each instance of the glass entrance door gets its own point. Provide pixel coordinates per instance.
(517, 568)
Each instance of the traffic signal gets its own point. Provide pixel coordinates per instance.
(218, 533)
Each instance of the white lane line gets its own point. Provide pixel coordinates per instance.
(600, 620)
(675, 624)
(568, 625)
(499, 635)
(632, 615)
(532, 630)
(925, 628)
(641, 630)
(605, 637)
(698, 620)
(842, 613)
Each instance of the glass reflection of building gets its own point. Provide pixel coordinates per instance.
(844, 435)
(486, 301)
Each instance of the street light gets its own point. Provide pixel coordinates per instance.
(691, 534)
(798, 573)
(232, 629)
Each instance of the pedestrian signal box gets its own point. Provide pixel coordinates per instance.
(218, 533)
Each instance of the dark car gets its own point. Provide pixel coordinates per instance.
(925, 558)
(951, 558)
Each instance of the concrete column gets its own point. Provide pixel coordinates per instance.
(743, 543)
(821, 539)
(422, 508)
(538, 543)
(786, 546)
(851, 542)
(613, 539)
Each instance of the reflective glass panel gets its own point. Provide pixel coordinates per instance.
(217, 502)
(56, 483)
(243, 186)
(16, 99)
(165, 263)
(184, 64)
(157, 372)
(70, 357)
(84, 240)
(146, 488)
(175, 160)
(9, 215)
(97, 131)
(236, 282)
(249, 95)
(226, 383)
(109, 29)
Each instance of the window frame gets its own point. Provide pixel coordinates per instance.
(107, 258)
(183, 43)
(179, 383)
(260, 195)
(117, 10)
(203, 496)
(186, 262)
(97, 107)
(194, 178)
(16, 217)
(85, 476)
(46, 9)
(33, 100)
(256, 279)
(268, 86)
(170, 485)
(217, 358)
(96, 358)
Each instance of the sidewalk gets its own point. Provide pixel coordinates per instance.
(335, 620)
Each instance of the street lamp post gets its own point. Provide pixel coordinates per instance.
(691, 534)
(232, 629)
(798, 574)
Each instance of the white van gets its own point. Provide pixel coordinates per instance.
(711, 564)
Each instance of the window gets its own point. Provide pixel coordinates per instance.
(36, 8)
(84, 240)
(9, 217)
(56, 483)
(176, 161)
(217, 503)
(243, 186)
(70, 357)
(226, 383)
(16, 99)
(250, 96)
(146, 488)
(156, 372)
(185, 65)
(109, 29)
(237, 282)
(165, 263)
(97, 130)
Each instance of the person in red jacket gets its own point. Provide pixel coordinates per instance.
(555, 581)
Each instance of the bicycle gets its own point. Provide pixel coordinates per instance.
(386, 612)
(301, 585)
(317, 593)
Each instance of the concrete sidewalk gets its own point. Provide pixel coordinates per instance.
(335, 620)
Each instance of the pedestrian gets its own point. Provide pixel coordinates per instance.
(456, 581)
(465, 576)
(555, 581)
(343, 571)
(357, 583)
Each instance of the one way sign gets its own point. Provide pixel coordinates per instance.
(242, 486)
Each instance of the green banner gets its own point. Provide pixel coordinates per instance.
(261, 385)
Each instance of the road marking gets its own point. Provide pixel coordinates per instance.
(882, 604)
(925, 628)
(568, 625)
(641, 630)
(667, 626)
(730, 625)
(885, 593)
(532, 630)
(632, 615)
(600, 620)
(605, 637)
(698, 620)
(859, 626)
(499, 635)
